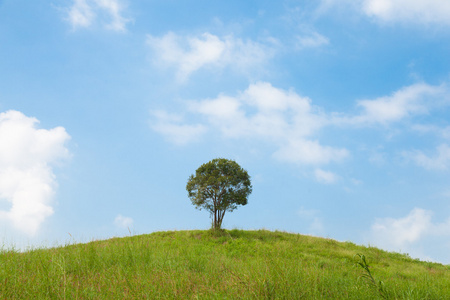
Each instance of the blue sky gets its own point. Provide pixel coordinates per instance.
(339, 111)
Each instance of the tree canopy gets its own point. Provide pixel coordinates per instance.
(219, 186)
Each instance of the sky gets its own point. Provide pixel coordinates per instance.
(339, 111)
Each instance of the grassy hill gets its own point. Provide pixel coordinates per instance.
(234, 264)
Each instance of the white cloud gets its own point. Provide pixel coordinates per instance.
(122, 221)
(312, 40)
(289, 122)
(27, 182)
(441, 161)
(414, 11)
(411, 233)
(397, 11)
(398, 233)
(171, 127)
(114, 9)
(407, 101)
(263, 112)
(188, 54)
(309, 152)
(445, 132)
(312, 217)
(325, 176)
(377, 158)
(83, 13)
(442, 132)
(412, 100)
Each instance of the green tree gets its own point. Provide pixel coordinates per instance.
(219, 186)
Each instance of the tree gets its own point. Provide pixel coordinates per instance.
(219, 186)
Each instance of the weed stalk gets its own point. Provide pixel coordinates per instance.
(367, 275)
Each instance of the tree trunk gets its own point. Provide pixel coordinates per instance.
(218, 219)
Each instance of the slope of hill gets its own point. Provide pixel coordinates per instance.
(233, 264)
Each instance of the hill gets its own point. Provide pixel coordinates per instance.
(233, 264)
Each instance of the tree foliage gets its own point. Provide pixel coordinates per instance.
(219, 186)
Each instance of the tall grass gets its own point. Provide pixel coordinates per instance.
(232, 264)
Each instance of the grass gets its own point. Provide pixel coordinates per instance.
(232, 264)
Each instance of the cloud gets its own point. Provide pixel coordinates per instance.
(441, 161)
(410, 11)
(309, 152)
(188, 54)
(398, 233)
(260, 113)
(311, 40)
(124, 222)
(441, 132)
(27, 182)
(312, 217)
(171, 127)
(445, 132)
(83, 13)
(325, 176)
(404, 102)
(410, 233)
(412, 100)
(426, 12)
(290, 123)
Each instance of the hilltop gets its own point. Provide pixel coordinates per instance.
(233, 264)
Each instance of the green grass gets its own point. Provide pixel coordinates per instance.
(232, 264)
